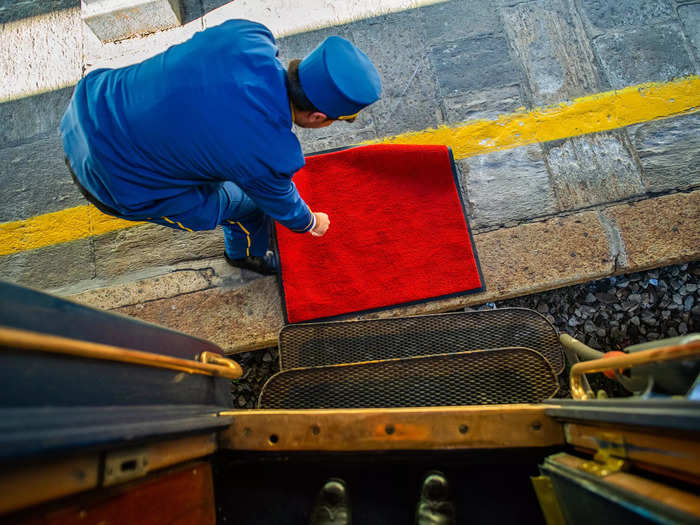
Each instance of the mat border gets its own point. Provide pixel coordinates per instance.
(347, 316)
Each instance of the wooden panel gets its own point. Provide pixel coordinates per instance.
(680, 453)
(23, 486)
(650, 490)
(482, 427)
(180, 497)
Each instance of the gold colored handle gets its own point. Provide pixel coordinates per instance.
(656, 355)
(24, 339)
(217, 360)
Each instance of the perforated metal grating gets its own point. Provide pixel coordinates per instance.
(329, 343)
(499, 376)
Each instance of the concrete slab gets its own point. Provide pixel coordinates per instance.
(133, 249)
(549, 40)
(650, 54)
(507, 186)
(593, 169)
(110, 21)
(659, 232)
(482, 105)
(603, 15)
(26, 118)
(134, 50)
(409, 98)
(690, 18)
(236, 320)
(40, 54)
(50, 267)
(669, 152)
(516, 261)
(475, 18)
(35, 180)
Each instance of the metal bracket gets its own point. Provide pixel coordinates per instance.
(607, 459)
(125, 465)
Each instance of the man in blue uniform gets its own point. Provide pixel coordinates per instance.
(201, 135)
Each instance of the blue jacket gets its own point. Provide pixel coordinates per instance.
(157, 138)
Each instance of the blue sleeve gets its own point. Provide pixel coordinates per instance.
(279, 198)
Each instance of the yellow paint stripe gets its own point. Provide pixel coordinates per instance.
(590, 114)
(67, 225)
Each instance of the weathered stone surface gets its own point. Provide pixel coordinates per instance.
(27, 118)
(610, 14)
(669, 151)
(237, 320)
(661, 231)
(655, 53)
(40, 53)
(110, 21)
(515, 261)
(12, 10)
(473, 64)
(592, 169)
(486, 105)
(50, 267)
(134, 50)
(145, 290)
(34, 180)
(550, 42)
(133, 249)
(690, 17)
(455, 20)
(507, 186)
(409, 99)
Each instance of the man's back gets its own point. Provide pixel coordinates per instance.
(213, 108)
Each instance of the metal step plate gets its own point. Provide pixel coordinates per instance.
(498, 376)
(330, 343)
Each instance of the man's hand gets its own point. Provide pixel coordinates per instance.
(322, 224)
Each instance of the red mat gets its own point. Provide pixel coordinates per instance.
(398, 233)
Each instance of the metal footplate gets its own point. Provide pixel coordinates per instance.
(331, 343)
(497, 376)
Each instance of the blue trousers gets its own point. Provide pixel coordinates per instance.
(246, 227)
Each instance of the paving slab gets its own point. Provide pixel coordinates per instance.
(515, 261)
(659, 232)
(554, 52)
(603, 15)
(482, 105)
(481, 17)
(651, 54)
(506, 186)
(409, 99)
(50, 267)
(593, 169)
(28, 118)
(690, 18)
(35, 180)
(237, 320)
(41, 53)
(111, 21)
(133, 249)
(669, 152)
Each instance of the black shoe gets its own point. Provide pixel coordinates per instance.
(434, 506)
(266, 265)
(332, 505)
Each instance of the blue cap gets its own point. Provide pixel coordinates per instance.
(339, 79)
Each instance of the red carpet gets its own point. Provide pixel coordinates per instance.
(398, 233)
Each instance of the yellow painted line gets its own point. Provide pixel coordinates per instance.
(54, 228)
(590, 114)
